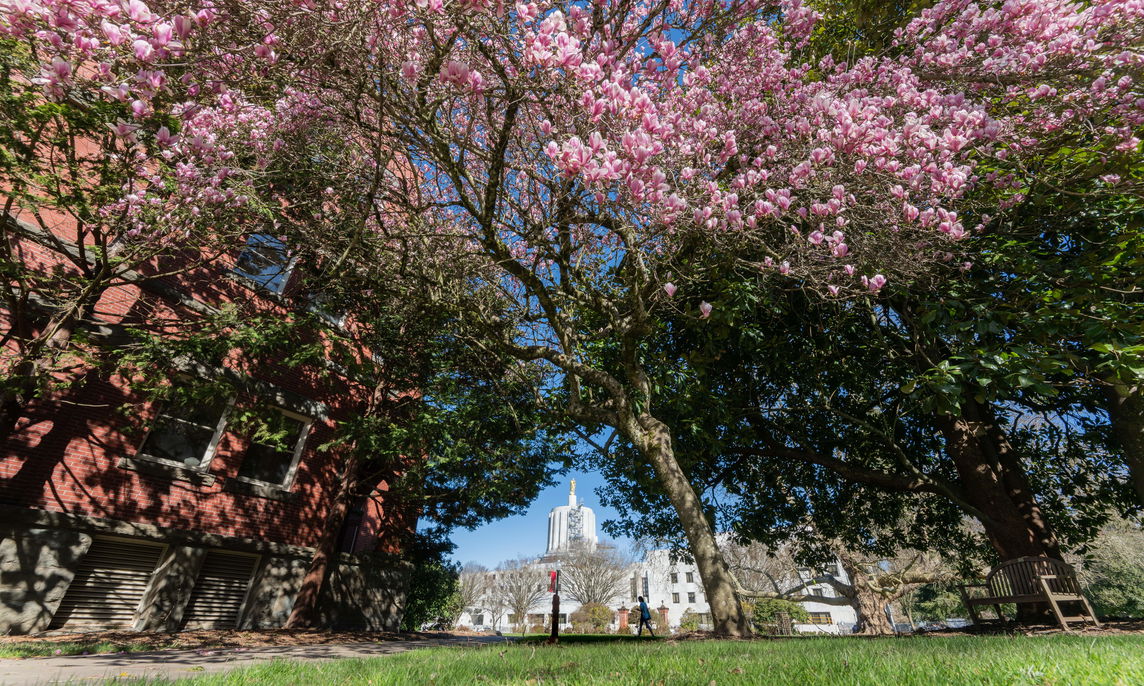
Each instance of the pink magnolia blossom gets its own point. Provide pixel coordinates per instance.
(705, 309)
(670, 289)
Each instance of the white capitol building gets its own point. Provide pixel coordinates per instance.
(571, 525)
(664, 583)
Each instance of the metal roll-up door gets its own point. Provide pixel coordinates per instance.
(220, 590)
(108, 586)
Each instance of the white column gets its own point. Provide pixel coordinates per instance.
(552, 531)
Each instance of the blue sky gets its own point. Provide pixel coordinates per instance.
(527, 534)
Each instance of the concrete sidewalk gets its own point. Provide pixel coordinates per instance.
(174, 664)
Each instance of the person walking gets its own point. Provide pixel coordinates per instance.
(645, 619)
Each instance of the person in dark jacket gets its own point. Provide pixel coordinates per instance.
(645, 619)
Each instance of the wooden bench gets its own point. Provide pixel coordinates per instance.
(1030, 580)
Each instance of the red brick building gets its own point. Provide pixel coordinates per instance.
(120, 512)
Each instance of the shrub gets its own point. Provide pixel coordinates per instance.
(592, 617)
(689, 621)
(765, 613)
(538, 629)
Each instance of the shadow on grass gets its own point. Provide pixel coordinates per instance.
(573, 639)
(45, 649)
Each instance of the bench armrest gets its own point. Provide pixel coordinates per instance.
(1047, 576)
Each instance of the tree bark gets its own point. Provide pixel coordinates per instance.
(303, 614)
(995, 483)
(869, 605)
(727, 615)
(1126, 416)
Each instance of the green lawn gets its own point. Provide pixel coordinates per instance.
(49, 649)
(1010, 660)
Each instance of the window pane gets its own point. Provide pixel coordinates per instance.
(271, 454)
(264, 463)
(183, 433)
(178, 442)
(264, 261)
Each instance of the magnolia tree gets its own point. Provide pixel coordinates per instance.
(578, 159)
(113, 161)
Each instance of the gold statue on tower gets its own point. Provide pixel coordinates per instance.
(572, 491)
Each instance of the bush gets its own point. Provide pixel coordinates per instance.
(592, 617)
(689, 621)
(765, 613)
(1113, 574)
(538, 629)
(433, 582)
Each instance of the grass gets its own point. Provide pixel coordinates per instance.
(48, 649)
(1011, 660)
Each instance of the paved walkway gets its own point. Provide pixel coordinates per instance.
(173, 664)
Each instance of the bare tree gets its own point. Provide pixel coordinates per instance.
(869, 584)
(494, 604)
(521, 585)
(593, 576)
(473, 586)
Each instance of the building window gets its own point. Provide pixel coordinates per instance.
(674, 578)
(478, 620)
(562, 618)
(185, 433)
(323, 305)
(690, 578)
(265, 261)
(275, 448)
(633, 589)
(821, 618)
(675, 597)
(690, 598)
(832, 569)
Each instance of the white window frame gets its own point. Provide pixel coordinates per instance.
(212, 446)
(299, 446)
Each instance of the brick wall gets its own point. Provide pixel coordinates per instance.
(66, 455)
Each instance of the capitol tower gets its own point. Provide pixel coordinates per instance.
(571, 525)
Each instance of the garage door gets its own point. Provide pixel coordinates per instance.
(220, 590)
(109, 585)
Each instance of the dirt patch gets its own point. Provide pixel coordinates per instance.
(112, 641)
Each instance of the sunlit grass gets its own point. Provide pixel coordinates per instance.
(1010, 660)
(49, 649)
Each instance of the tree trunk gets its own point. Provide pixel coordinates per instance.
(995, 483)
(869, 605)
(870, 609)
(654, 440)
(303, 614)
(1126, 415)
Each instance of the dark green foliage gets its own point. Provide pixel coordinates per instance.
(433, 589)
(765, 613)
(935, 603)
(1113, 571)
